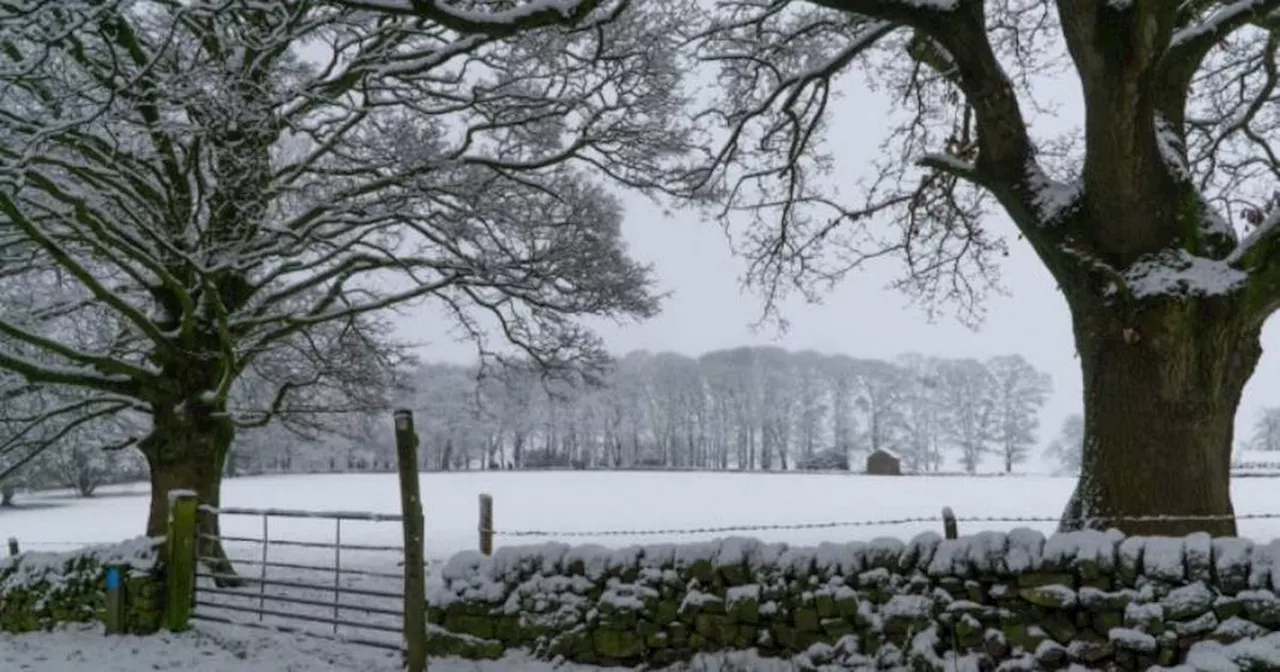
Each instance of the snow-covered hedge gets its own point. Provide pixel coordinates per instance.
(41, 590)
(1016, 600)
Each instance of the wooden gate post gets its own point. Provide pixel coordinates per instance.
(415, 580)
(114, 618)
(180, 560)
(949, 529)
(486, 524)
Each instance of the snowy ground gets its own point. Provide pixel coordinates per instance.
(210, 648)
(570, 505)
(577, 502)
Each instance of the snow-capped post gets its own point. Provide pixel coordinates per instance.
(415, 580)
(114, 618)
(13, 546)
(949, 529)
(486, 524)
(180, 560)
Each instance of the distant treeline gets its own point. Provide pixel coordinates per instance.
(745, 408)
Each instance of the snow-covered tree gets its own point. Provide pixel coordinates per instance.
(1068, 449)
(1019, 393)
(878, 397)
(813, 408)
(1155, 212)
(922, 414)
(968, 420)
(214, 180)
(1266, 430)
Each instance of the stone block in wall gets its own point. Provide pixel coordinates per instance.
(1261, 607)
(1188, 602)
(884, 552)
(1129, 560)
(617, 644)
(1231, 564)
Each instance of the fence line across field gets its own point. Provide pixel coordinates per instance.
(948, 519)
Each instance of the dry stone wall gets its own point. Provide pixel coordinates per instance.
(992, 601)
(41, 590)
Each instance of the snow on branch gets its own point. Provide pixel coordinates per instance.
(1226, 16)
(192, 187)
(36, 419)
(1229, 130)
(482, 18)
(1262, 235)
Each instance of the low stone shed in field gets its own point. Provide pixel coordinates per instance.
(883, 463)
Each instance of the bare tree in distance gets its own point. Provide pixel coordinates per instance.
(1019, 393)
(183, 170)
(968, 418)
(1266, 430)
(1068, 448)
(1157, 218)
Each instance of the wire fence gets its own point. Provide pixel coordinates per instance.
(1092, 521)
(67, 544)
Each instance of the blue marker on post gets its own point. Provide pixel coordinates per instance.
(115, 619)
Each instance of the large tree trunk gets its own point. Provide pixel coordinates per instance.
(188, 451)
(1162, 381)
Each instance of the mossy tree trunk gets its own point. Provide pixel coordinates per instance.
(188, 447)
(1162, 381)
(188, 451)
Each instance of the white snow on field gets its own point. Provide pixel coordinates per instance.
(577, 502)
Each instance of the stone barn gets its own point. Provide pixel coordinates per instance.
(884, 463)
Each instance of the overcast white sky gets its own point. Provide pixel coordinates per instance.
(708, 311)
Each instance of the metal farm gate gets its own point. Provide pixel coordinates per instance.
(351, 589)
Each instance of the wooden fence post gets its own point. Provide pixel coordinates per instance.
(949, 523)
(13, 546)
(114, 618)
(486, 524)
(415, 579)
(180, 560)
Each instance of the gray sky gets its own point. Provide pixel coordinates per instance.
(707, 311)
(862, 318)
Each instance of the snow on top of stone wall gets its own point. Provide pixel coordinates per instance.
(140, 554)
(1234, 564)
(470, 576)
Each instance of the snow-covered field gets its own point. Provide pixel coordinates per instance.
(578, 502)
(568, 505)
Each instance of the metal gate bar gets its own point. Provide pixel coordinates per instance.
(295, 630)
(302, 600)
(308, 544)
(297, 584)
(318, 568)
(286, 614)
(299, 513)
